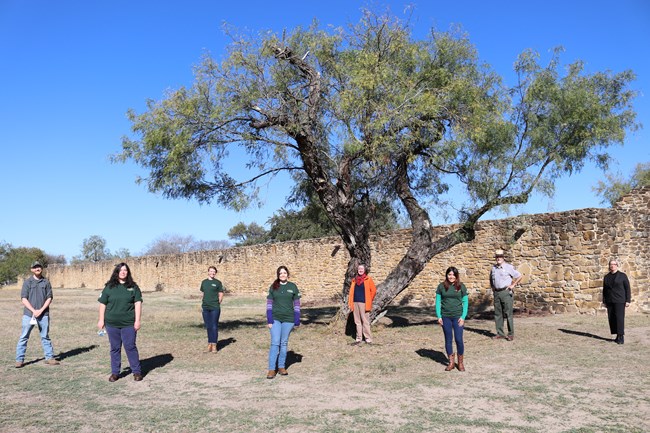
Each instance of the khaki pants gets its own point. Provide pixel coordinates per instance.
(362, 320)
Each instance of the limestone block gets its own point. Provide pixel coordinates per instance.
(589, 235)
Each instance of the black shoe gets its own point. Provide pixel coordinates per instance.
(620, 339)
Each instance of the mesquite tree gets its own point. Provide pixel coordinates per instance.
(367, 113)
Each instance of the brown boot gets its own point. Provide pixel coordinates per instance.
(209, 349)
(461, 366)
(451, 363)
(271, 374)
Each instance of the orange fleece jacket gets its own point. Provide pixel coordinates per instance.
(370, 291)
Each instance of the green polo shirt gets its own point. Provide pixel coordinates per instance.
(451, 300)
(283, 299)
(120, 305)
(211, 290)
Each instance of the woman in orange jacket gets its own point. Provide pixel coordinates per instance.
(362, 293)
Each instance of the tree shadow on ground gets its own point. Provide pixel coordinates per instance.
(403, 316)
(318, 315)
(584, 334)
(230, 325)
(434, 355)
(225, 342)
(293, 358)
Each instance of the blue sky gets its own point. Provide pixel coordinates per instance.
(71, 69)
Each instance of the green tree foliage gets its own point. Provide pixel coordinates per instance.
(616, 186)
(311, 221)
(369, 114)
(93, 249)
(248, 234)
(17, 261)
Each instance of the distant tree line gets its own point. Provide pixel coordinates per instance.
(16, 261)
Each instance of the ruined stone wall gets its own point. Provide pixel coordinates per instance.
(563, 257)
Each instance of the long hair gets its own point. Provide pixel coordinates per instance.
(448, 283)
(114, 281)
(276, 283)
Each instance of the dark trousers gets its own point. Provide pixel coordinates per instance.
(117, 338)
(503, 306)
(211, 320)
(616, 317)
(450, 326)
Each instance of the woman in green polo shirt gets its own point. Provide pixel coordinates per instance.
(451, 309)
(120, 310)
(211, 305)
(282, 314)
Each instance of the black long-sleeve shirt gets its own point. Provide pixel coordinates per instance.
(616, 288)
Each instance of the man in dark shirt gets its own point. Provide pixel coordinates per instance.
(36, 296)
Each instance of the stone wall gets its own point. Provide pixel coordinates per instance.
(563, 257)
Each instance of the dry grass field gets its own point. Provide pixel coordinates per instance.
(561, 374)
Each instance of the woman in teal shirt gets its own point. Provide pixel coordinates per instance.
(451, 310)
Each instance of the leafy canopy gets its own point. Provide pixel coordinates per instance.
(345, 105)
(616, 186)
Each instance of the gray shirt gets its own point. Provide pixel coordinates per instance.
(36, 292)
(502, 276)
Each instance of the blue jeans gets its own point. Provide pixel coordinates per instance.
(450, 326)
(211, 320)
(44, 328)
(123, 336)
(279, 339)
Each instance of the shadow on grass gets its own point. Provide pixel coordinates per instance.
(318, 315)
(434, 355)
(225, 342)
(404, 316)
(584, 334)
(293, 358)
(63, 355)
(149, 364)
(230, 325)
(309, 316)
(33, 361)
(74, 352)
(483, 332)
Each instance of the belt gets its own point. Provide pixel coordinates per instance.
(500, 290)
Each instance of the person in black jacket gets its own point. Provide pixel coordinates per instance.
(616, 297)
